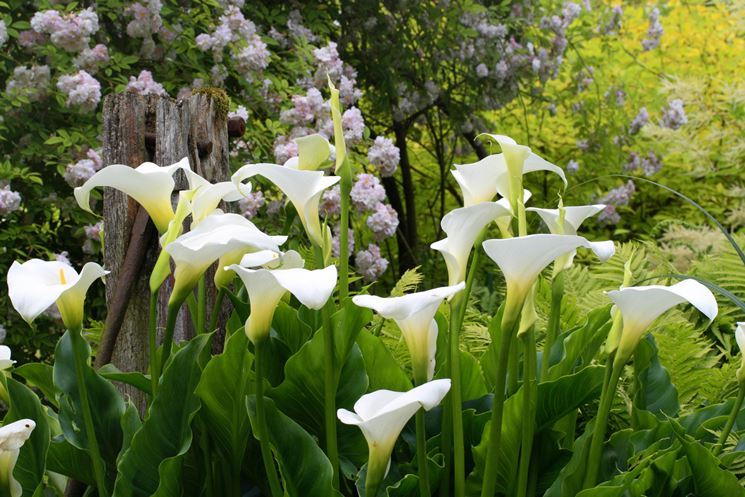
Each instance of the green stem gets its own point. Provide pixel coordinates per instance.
(330, 384)
(601, 423)
(421, 454)
(510, 323)
(215, 315)
(530, 391)
(446, 441)
(201, 305)
(552, 330)
(193, 306)
(79, 354)
(168, 337)
(346, 188)
(152, 335)
(513, 366)
(263, 435)
(730, 420)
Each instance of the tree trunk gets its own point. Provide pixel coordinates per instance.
(406, 252)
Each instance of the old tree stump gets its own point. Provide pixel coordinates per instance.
(137, 129)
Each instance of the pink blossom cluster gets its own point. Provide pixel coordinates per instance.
(250, 52)
(146, 20)
(649, 165)
(655, 31)
(90, 59)
(384, 155)
(367, 193)
(251, 203)
(617, 197)
(370, 263)
(71, 31)
(331, 66)
(296, 27)
(144, 84)
(284, 149)
(336, 242)
(3, 33)
(239, 112)
(82, 90)
(9, 200)
(81, 171)
(641, 119)
(92, 237)
(674, 115)
(383, 222)
(30, 38)
(330, 204)
(306, 109)
(31, 82)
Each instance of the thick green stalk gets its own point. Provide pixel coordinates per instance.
(513, 366)
(510, 323)
(330, 383)
(346, 188)
(421, 454)
(730, 420)
(152, 332)
(601, 423)
(215, 315)
(201, 305)
(530, 393)
(446, 442)
(552, 331)
(263, 434)
(168, 337)
(79, 355)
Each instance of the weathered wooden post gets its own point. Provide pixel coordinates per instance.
(161, 130)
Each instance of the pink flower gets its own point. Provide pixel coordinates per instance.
(82, 90)
(144, 84)
(367, 193)
(383, 222)
(251, 204)
(384, 155)
(9, 200)
(370, 264)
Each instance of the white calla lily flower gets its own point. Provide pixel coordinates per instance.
(12, 438)
(226, 237)
(266, 287)
(462, 226)
(740, 338)
(573, 217)
(208, 196)
(303, 188)
(35, 285)
(414, 314)
(522, 259)
(148, 184)
(5, 361)
(381, 415)
(640, 306)
(312, 151)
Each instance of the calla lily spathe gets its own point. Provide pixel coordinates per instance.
(522, 259)
(641, 305)
(35, 285)
(226, 237)
(740, 338)
(414, 314)
(266, 287)
(381, 415)
(207, 196)
(462, 226)
(12, 438)
(303, 188)
(5, 361)
(566, 221)
(149, 184)
(312, 151)
(500, 173)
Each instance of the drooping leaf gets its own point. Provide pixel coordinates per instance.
(383, 371)
(576, 347)
(655, 392)
(134, 378)
(40, 376)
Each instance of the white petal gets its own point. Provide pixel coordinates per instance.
(35, 285)
(303, 188)
(574, 216)
(522, 259)
(478, 181)
(5, 360)
(399, 308)
(208, 197)
(313, 150)
(264, 293)
(462, 226)
(536, 163)
(255, 259)
(740, 336)
(641, 305)
(14, 435)
(148, 184)
(311, 288)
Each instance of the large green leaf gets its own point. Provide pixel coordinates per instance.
(301, 394)
(30, 467)
(152, 463)
(654, 389)
(555, 400)
(225, 382)
(383, 372)
(290, 328)
(709, 478)
(107, 405)
(576, 348)
(305, 469)
(66, 459)
(571, 477)
(40, 376)
(134, 378)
